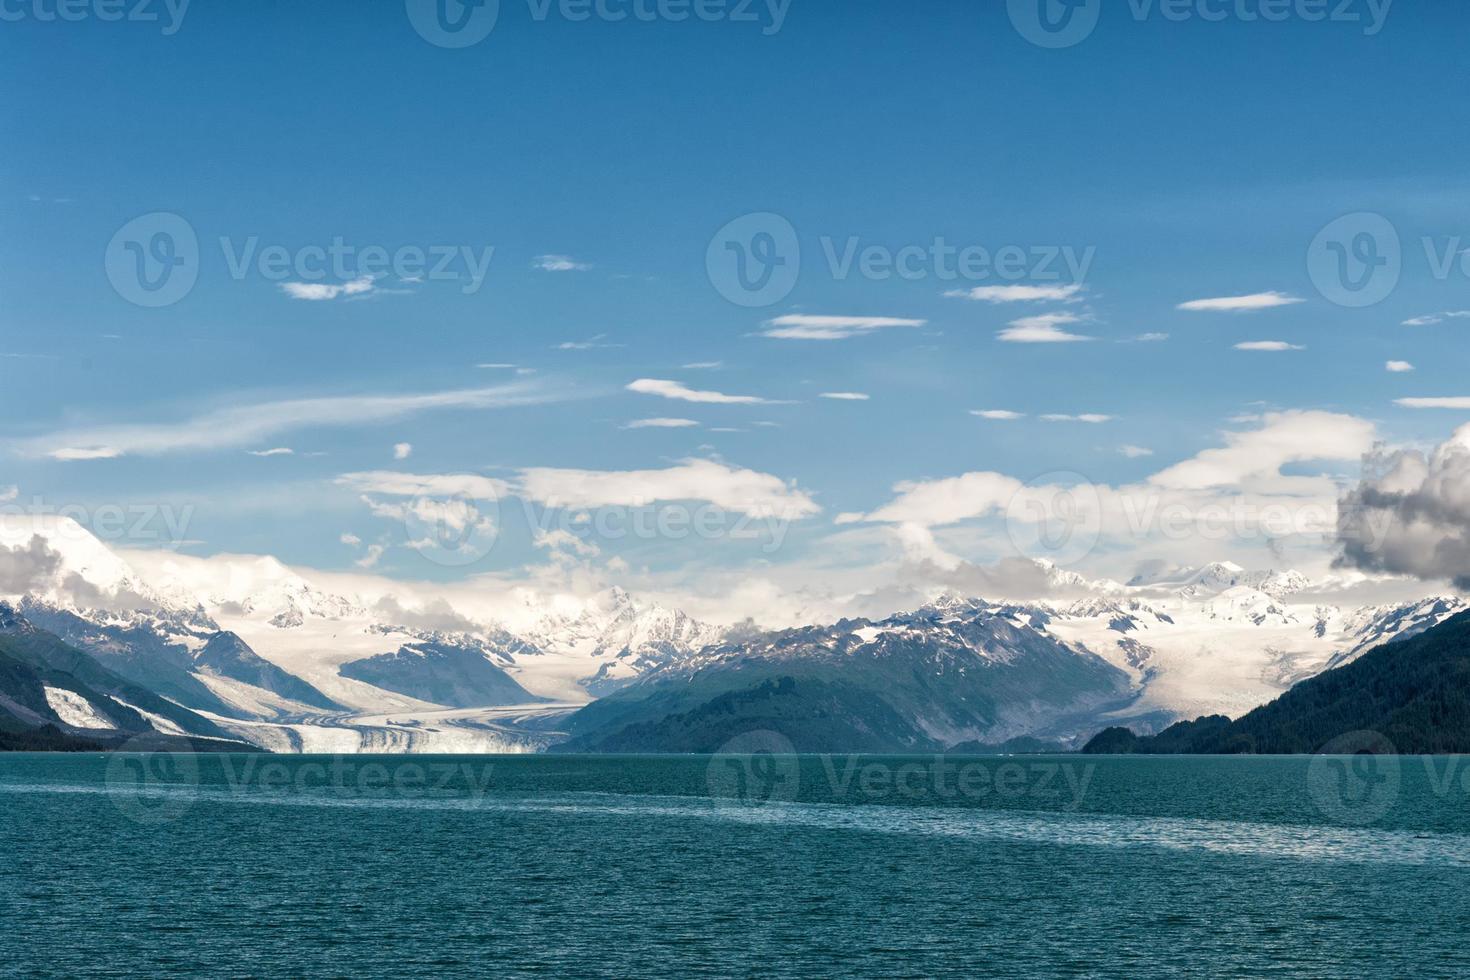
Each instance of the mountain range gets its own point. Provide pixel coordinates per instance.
(1409, 697)
(263, 655)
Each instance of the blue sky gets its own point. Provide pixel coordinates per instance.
(1186, 160)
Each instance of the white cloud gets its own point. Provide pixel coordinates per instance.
(1283, 438)
(240, 426)
(319, 291)
(496, 365)
(704, 366)
(350, 539)
(1410, 513)
(458, 514)
(1235, 492)
(739, 490)
(1151, 338)
(1433, 318)
(661, 424)
(560, 539)
(800, 326)
(1460, 402)
(1240, 304)
(278, 451)
(934, 503)
(393, 484)
(402, 450)
(70, 453)
(679, 392)
(591, 343)
(1135, 452)
(1398, 367)
(1268, 345)
(1090, 418)
(370, 558)
(7, 494)
(997, 414)
(560, 263)
(1044, 328)
(1018, 294)
(845, 396)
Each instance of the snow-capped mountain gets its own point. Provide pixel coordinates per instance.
(272, 656)
(619, 638)
(1223, 640)
(1221, 576)
(1214, 640)
(257, 649)
(951, 672)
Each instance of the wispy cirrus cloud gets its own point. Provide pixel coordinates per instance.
(1268, 346)
(802, 326)
(391, 483)
(239, 426)
(1430, 319)
(1456, 402)
(559, 263)
(1070, 292)
(661, 423)
(1091, 418)
(845, 396)
(591, 343)
(679, 392)
(277, 451)
(1045, 328)
(1249, 303)
(735, 489)
(997, 414)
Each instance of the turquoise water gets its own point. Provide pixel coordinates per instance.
(743, 866)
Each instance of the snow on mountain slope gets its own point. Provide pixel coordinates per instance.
(75, 710)
(69, 566)
(592, 647)
(159, 722)
(1217, 646)
(950, 672)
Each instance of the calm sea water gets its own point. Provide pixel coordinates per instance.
(733, 866)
